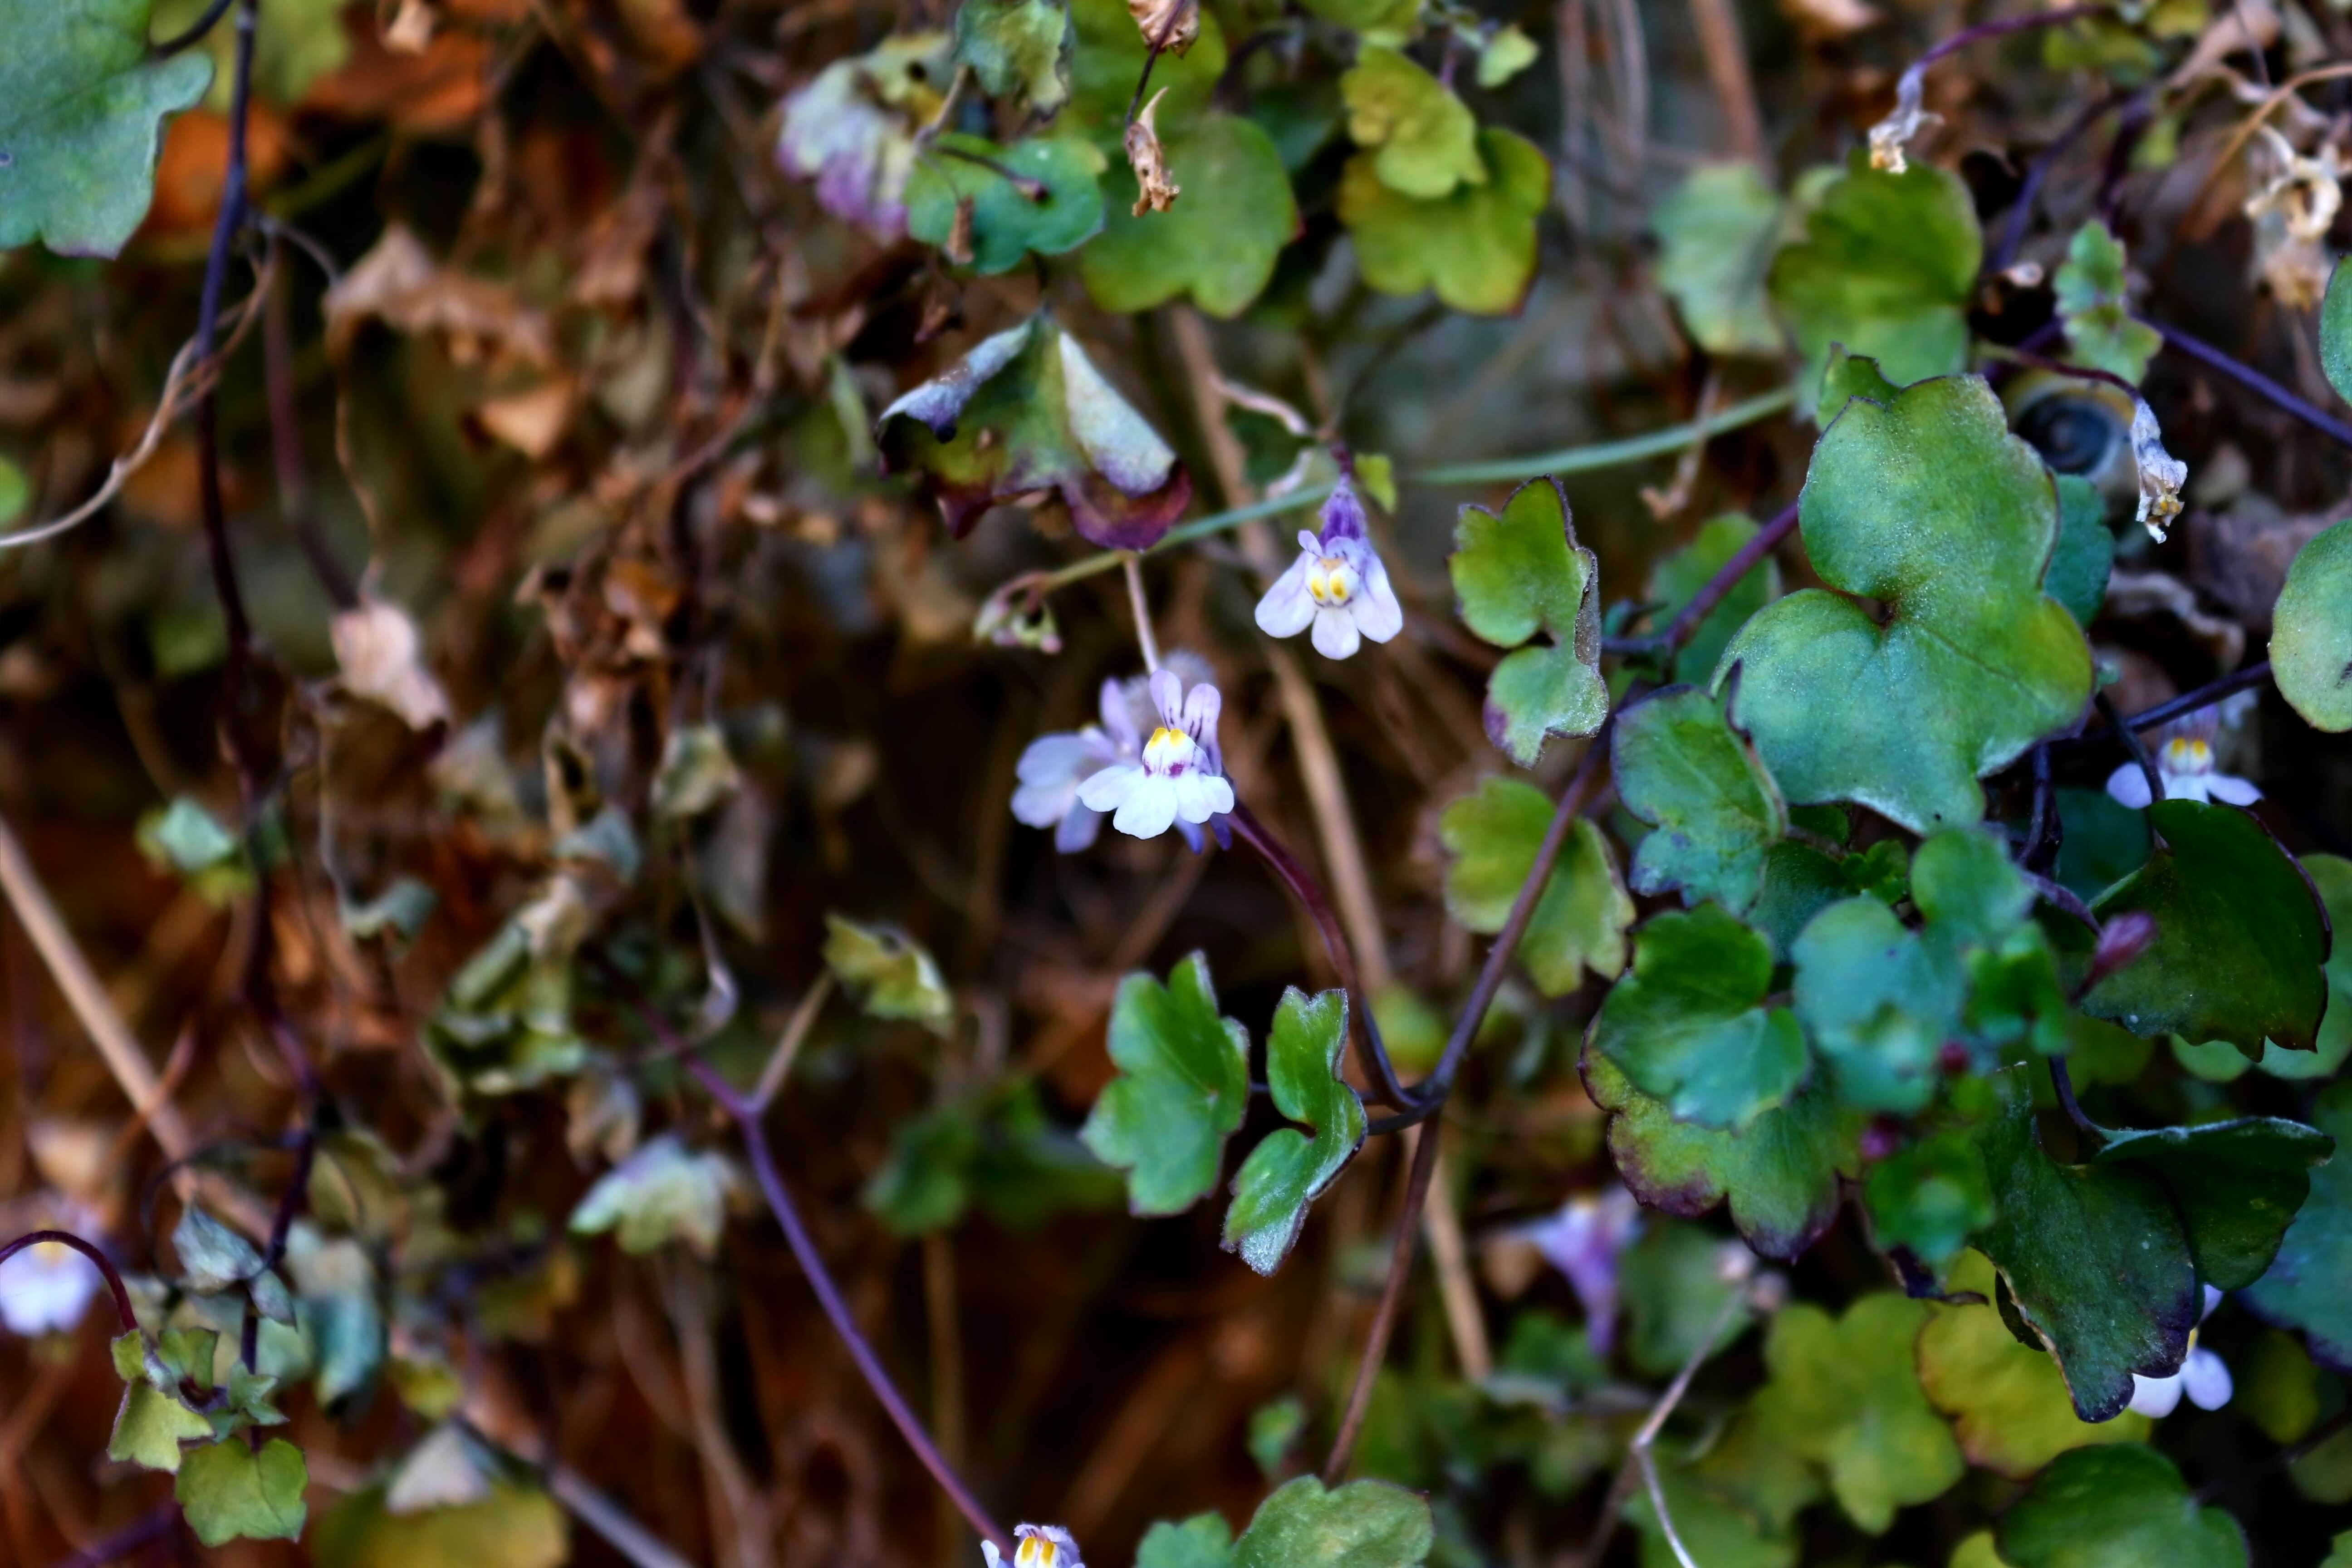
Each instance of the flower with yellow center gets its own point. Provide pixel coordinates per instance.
(1039, 1546)
(1337, 585)
(1179, 776)
(2203, 1376)
(2184, 763)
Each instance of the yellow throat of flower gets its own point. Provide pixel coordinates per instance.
(1331, 580)
(1037, 1550)
(2184, 755)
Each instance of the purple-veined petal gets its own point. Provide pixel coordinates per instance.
(1287, 608)
(1343, 514)
(1378, 614)
(1168, 697)
(1201, 712)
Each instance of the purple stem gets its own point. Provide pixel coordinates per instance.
(122, 1312)
(2205, 696)
(2001, 25)
(2029, 190)
(1768, 539)
(2253, 380)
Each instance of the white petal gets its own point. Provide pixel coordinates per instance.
(45, 1288)
(1191, 801)
(2206, 1378)
(2212, 1299)
(1220, 792)
(2155, 1396)
(1335, 633)
(988, 1550)
(1168, 697)
(1378, 614)
(1044, 804)
(2233, 789)
(1058, 758)
(1077, 830)
(2129, 785)
(1308, 543)
(1110, 789)
(1288, 607)
(1149, 808)
(2197, 787)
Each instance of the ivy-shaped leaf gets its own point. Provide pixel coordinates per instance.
(1182, 1091)
(2238, 1184)
(1847, 1397)
(1689, 1027)
(1477, 247)
(1518, 573)
(1780, 1175)
(1203, 1540)
(1887, 267)
(1676, 579)
(2092, 302)
(893, 972)
(2311, 631)
(1876, 1004)
(1218, 244)
(1026, 410)
(1424, 140)
(1019, 50)
(2085, 551)
(1927, 1200)
(1928, 505)
(2123, 1506)
(214, 1258)
(2008, 1404)
(2096, 1261)
(1290, 1169)
(2240, 935)
(1717, 234)
(1579, 922)
(1711, 803)
(662, 1192)
(1364, 1524)
(1037, 195)
(229, 1490)
(153, 1420)
(2305, 1286)
(82, 103)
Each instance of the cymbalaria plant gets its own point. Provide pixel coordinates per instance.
(1745, 611)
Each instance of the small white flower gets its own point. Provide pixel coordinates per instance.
(1179, 777)
(1054, 766)
(1582, 1241)
(2184, 763)
(45, 1288)
(1041, 1546)
(2203, 1376)
(1338, 584)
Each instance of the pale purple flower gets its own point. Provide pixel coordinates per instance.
(1337, 585)
(1041, 1546)
(1054, 766)
(2184, 763)
(2203, 1376)
(1179, 776)
(45, 1288)
(849, 132)
(1582, 1241)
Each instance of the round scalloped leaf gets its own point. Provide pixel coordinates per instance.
(2240, 935)
(1929, 506)
(1716, 238)
(1780, 1175)
(1887, 267)
(1220, 240)
(2086, 553)
(1008, 221)
(2306, 1286)
(229, 1490)
(2238, 1184)
(1680, 767)
(1876, 1002)
(1290, 1169)
(1847, 1397)
(1580, 921)
(82, 105)
(1424, 140)
(1020, 50)
(1182, 1091)
(2310, 636)
(1364, 1524)
(1203, 1540)
(2123, 1506)
(2092, 302)
(1687, 1026)
(1928, 1199)
(1516, 573)
(2335, 332)
(1476, 247)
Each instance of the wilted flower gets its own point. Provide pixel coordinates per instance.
(45, 1288)
(851, 129)
(2184, 763)
(1179, 776)
(2292, 215)
(1041, 1546)
(1337, 585)
(2203, 1376)
(1582, 1241)
(1156, 188)
(1890, 135)
(1172, 24)
(2161, 474)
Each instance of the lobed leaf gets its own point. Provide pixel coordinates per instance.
(1475, 247)
(1845, 1395)
(1182, 1091)
(2305, 1286)
(1687, 1026)
(1715, 811)
(958, 192)
(1364, 1524)
(1717, 234)
(2311, 633)
(1290, 1169)
(1516, 573)
(2116, 1507)
(1424, 140)
(229, 1490)
(1579, 921)
(1218, 244)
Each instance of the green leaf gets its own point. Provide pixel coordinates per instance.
(2116, 1507)
(1507, 54)
(698, 773)
(512, 1526)
(1876, 1004)
(1008, 221)
(891, 970)
(1425, 141)
(1715, 236)
(1019, 50)
(1477, 247)
(1577, 924)
(1717, 1532)
(82, 104)
(1026, 410)
(2311, 633)
(2238, 1185)
(340, 1311)
(1676, 579)
(2008, 1404)
(2331, 875)
(1929, 507)
(1182, 1091)
(1109, 60)
(1217, 244)
(2093, 303)
(2240, 935)
(2304, 1288)
(1929, 1199)
(1887, 267)
(662, 1192)
(2094, 1258)
(1780, 1175)
(1675, 1287)
(15, 493)
(1680, 767)
(214, 1258)
(2335, 332)
(1203, 1540)
(1275, 1428)
(150, 1425)
(1687, 1025)
(2085, 551)
(1851, 1402)
(1518, 573)
(1364, 1524)
(227, 1490)
(1290, 1169)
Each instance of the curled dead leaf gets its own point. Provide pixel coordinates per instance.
(1156, 188)
(532, 421)
(1172, 24)
(400, 284)
(382, 659)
